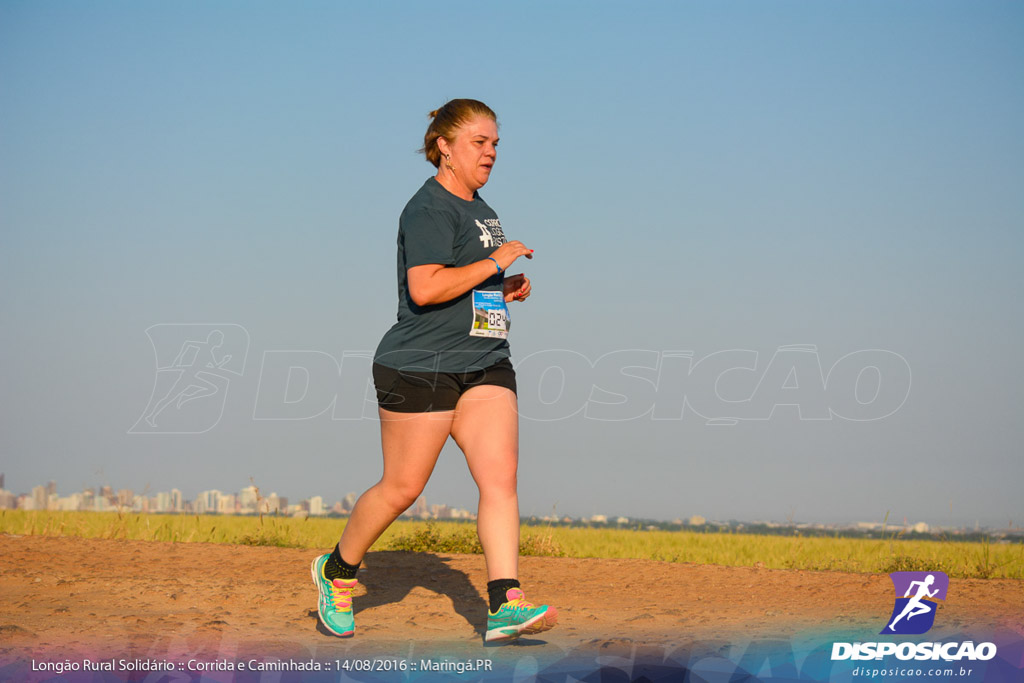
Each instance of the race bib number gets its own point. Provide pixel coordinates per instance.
(490, 315)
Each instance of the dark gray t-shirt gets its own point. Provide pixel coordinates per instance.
(438, 227)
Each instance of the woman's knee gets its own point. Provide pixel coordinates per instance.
(400, 495)
(498, 483)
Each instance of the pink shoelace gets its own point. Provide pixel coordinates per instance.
(341, 594)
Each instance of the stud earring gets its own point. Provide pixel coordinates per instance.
(448, 162)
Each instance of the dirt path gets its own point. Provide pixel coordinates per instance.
(71, 597)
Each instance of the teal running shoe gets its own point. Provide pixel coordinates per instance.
(516, 616)
(335, 606)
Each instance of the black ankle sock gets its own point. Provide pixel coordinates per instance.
(496, 591)
(337, 568)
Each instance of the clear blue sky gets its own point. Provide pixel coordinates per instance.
(699, 177)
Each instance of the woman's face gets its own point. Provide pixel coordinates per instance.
(473, 151)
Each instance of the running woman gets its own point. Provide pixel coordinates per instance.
(443, 370)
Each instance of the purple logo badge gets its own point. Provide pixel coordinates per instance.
(916, 593)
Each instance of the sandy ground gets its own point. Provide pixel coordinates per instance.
(71, 597)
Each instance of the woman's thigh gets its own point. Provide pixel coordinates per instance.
(486, 428)
(411, 443)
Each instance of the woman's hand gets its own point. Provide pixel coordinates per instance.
(507, 253)
(517, 287)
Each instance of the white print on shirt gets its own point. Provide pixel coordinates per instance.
(491, 233)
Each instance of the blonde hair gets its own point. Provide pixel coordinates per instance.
(447, 120)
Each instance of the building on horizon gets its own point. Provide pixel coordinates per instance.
(226, 504)
(207, 502)
(273, 504)
(39, 498)
(316, 505)
(248, 499)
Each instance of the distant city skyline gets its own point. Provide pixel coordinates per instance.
(250, 501)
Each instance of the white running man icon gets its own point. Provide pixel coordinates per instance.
(195, 360)
(915, 606)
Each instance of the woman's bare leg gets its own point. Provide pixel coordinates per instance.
(486, 428)
(411, 443)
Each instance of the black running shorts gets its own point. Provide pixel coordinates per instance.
(425, 392)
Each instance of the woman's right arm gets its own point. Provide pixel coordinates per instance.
(434, 283)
